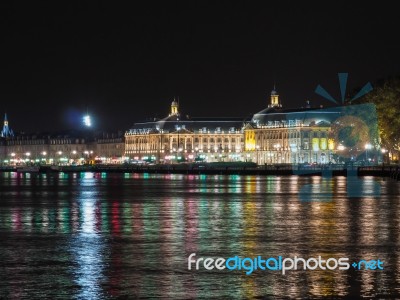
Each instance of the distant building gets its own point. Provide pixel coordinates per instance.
(273, 135)
(110, 147)
(6, 132)
(51, 148)
(65, 147)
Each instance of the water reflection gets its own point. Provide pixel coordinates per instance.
(114, 235)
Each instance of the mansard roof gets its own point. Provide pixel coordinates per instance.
(306, 116)
(192, 124)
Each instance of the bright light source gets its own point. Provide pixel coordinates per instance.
(87, 121)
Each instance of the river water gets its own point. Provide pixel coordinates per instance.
(105, 236)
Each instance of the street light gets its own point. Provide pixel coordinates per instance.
(277, 147)
(384, 151)
(73, 158)
(367, 147)
(28, 154)
(340, 148)
(196, 150)
(257, 152)
(44, 153)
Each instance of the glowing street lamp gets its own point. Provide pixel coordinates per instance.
(341, 147)
(384, 151)
(28, 154)
(367, 147)
(257, 152)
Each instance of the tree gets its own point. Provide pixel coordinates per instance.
(386, 98)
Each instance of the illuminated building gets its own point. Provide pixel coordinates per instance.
(176, 139)
(6, 132)
(277, 135)
(272, 136)
(62, 148)
(110, 148)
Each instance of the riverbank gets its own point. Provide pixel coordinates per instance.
(230, 169)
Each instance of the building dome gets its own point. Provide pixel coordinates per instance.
(306, 116)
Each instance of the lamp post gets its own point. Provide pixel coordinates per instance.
(87, 155)
(367, 147)
(384, 151)
(44, 153)
(340, 148)
(179, 155)
(257, 154)
(13, 158)
(196, 150)
(178, 130)
(277, 147)
(28, 154)
(73, 153)
(59, 159)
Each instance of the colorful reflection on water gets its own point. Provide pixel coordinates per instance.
(99, 236)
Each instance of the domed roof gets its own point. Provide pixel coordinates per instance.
(174, 102)
(306, 115)
(274, 92)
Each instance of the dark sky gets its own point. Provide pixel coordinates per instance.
(126, 63)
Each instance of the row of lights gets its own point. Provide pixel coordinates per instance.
(367, 147)
(44, 153)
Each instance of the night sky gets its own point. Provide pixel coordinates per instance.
(126, 63)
